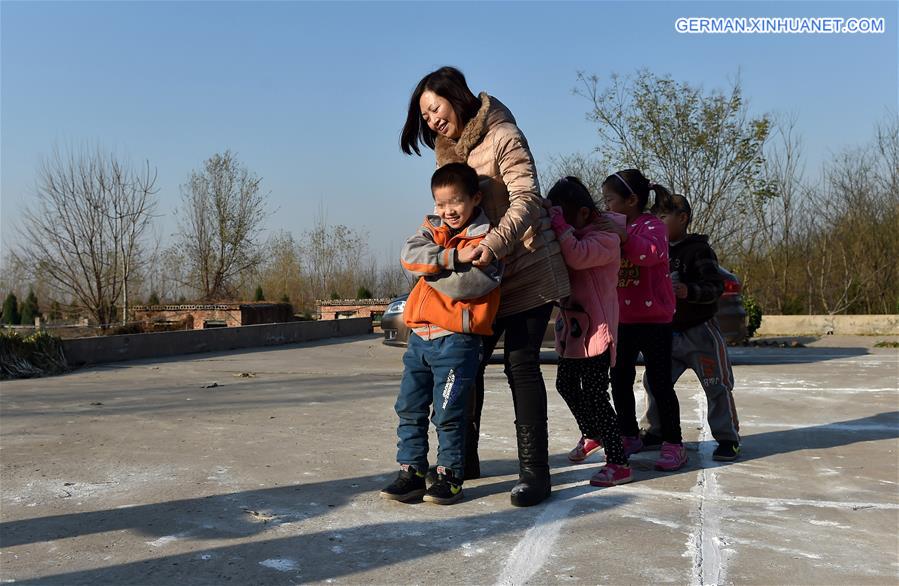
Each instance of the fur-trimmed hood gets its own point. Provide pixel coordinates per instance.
(492, 144)
(491, 113)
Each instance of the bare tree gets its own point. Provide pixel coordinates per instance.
(333, 256)
(166, 275)
(86, 230)
(280, 273)
(393, 280)
(769, 256)
(221, 220)
(703, 145)
(591, 171)
(858, 219)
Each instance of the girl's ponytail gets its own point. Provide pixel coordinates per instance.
(633, 182)
(664, 198)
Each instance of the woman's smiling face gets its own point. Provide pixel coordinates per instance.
(439, 115)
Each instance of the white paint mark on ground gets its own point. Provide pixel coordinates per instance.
(534, 548)
(280, 564)
(167, 539)
(468, 550)
(662, 522)
(704, 544)
(829, 524)
(762, 389)
(786, 550)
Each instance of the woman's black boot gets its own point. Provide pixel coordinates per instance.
(473, 431)
(472, 462)
(533, 463)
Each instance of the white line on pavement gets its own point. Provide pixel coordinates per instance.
(703, 545)
(534, 548)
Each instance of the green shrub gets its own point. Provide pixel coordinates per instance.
(38, 354)
(11, 310)
(753, 314)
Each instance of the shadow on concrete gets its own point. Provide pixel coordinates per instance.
(367, 546)
(744, 355)
(231, 393)
(199, 356)
(762, 356)
(320, 555)
(883, 426)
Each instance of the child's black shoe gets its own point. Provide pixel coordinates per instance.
(409, 485)
(446, 490)
(650, 441)
(726, 451)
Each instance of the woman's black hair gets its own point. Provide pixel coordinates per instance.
(677, 203)
(632, 182)
(448, 83)
(571, 194)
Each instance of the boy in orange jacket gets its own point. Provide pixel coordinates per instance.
(451, 307)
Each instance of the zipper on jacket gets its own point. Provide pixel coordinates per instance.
(421, 304)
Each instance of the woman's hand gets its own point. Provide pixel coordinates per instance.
(680, 290)
(466, 255)
(483, 256)
(607, 225)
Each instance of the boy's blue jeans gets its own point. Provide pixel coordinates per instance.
(437, 372)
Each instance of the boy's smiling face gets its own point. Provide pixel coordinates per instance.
(454, 206)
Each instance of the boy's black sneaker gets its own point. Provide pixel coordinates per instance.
(409, 485)
(650, 441)
(726, 451)
(472, 472)
(446, 490)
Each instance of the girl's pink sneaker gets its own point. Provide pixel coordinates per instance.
(672, 458)
(612, 475)
(585, 448)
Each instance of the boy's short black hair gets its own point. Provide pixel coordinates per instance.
(675, 204)
(458, 174)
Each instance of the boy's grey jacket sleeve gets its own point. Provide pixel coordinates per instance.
(422, 257)
(468, 281)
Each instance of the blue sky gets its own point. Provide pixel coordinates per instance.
(312, 95)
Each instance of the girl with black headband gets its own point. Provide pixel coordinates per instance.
(646, 304)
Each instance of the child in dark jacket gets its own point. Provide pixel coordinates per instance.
(697, 343)
(451, 307)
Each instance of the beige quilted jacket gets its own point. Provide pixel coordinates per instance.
(521, 236)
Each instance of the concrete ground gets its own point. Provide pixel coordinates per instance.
(148, 473)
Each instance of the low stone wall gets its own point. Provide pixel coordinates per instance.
(821, 325)
(101, 349)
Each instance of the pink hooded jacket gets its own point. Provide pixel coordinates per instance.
(645, 293)
(588, 321)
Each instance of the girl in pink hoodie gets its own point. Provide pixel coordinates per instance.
(587, 326)
(646, 302)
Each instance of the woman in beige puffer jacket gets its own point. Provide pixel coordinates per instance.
(479, 130)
